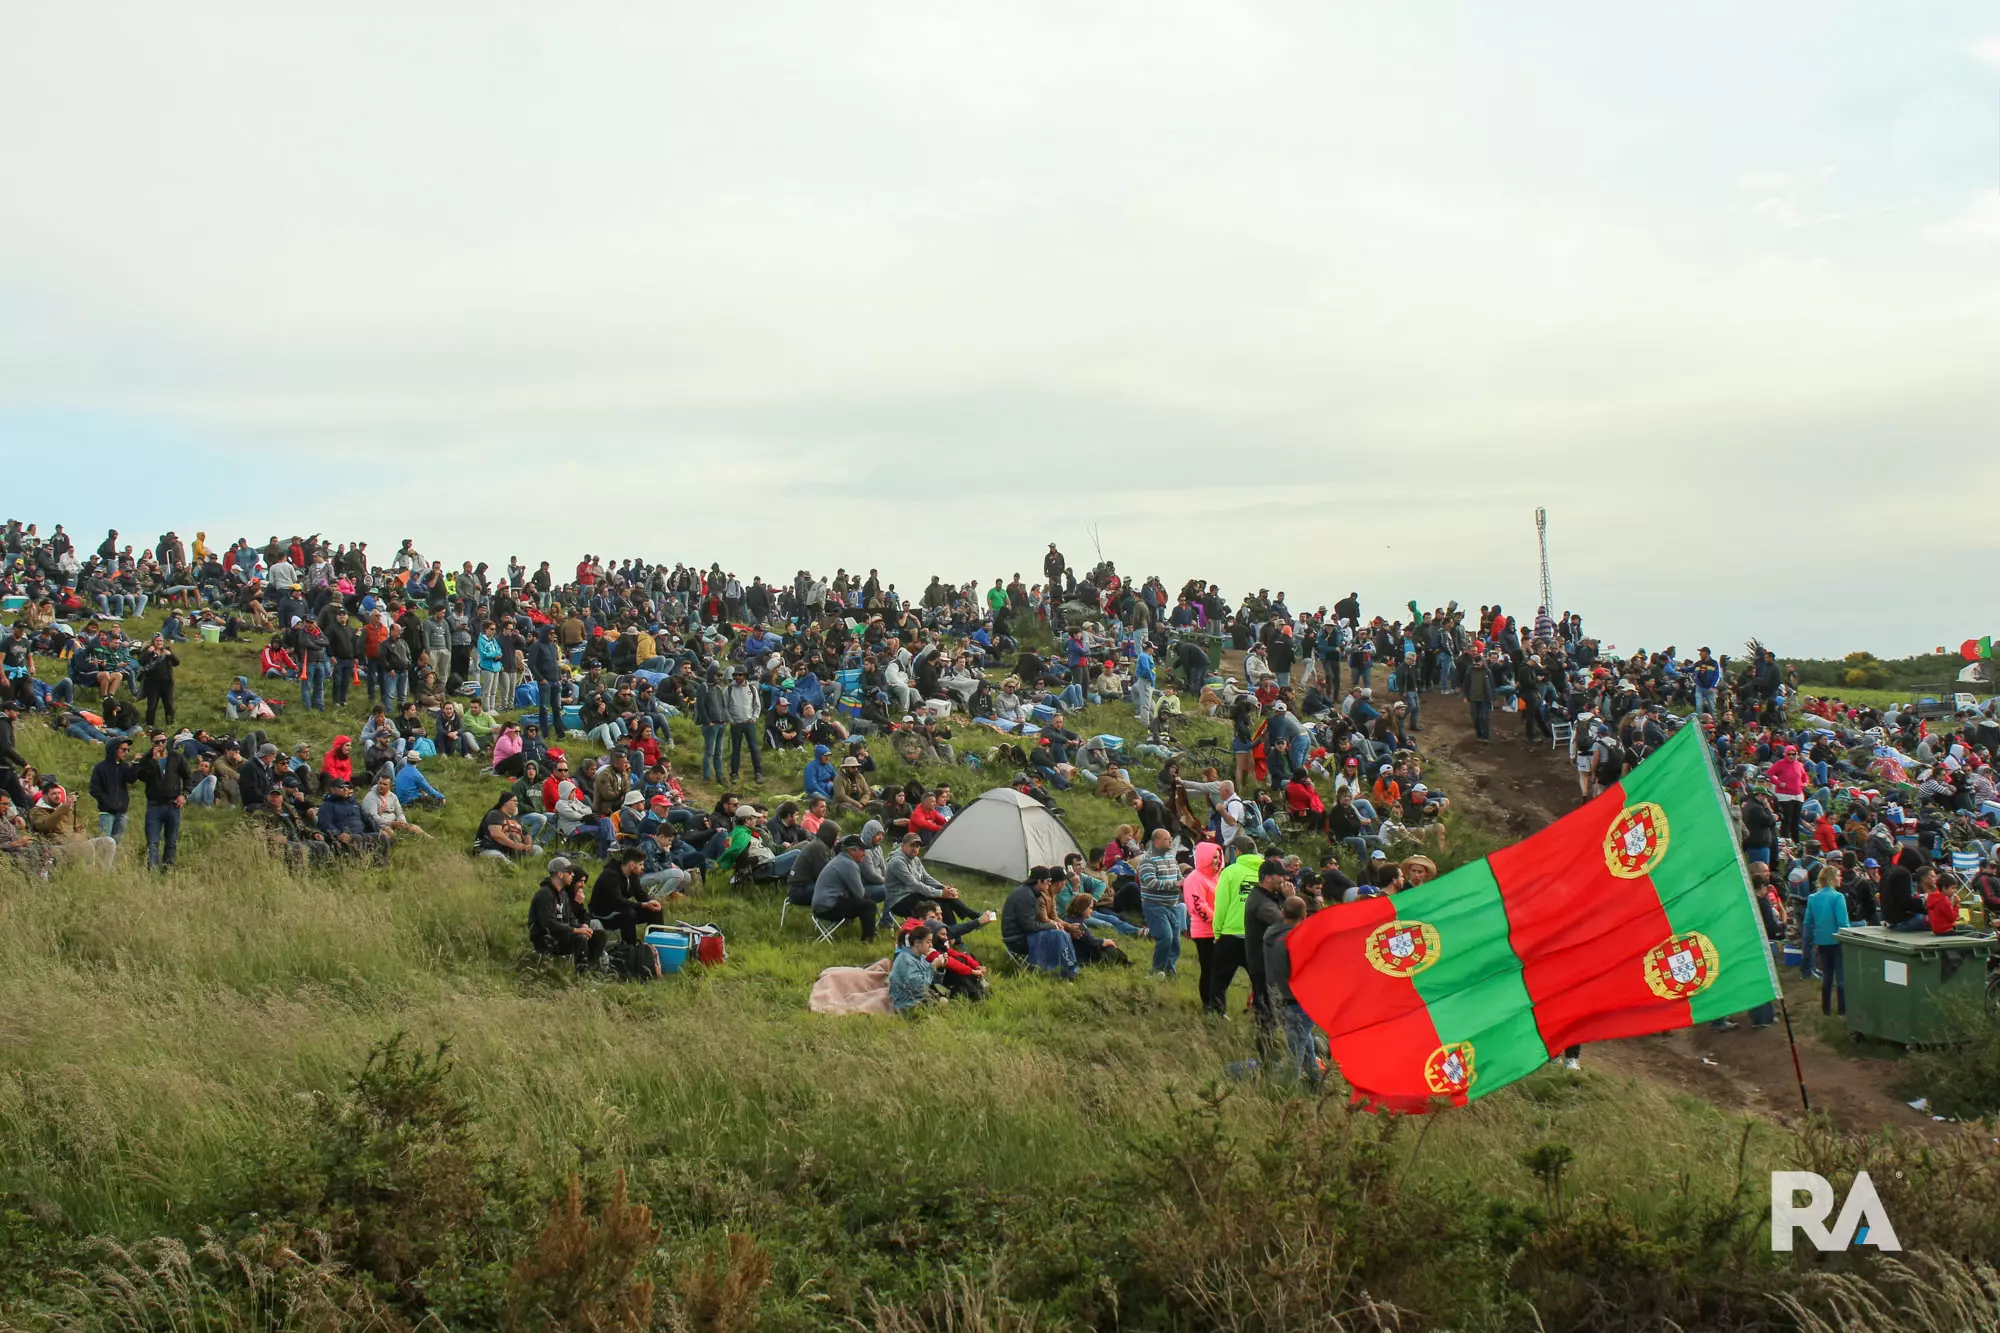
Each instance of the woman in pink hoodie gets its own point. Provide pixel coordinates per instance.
(1198, 892)
(1788, 781)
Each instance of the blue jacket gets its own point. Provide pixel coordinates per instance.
(819, 776)
(1826, 913)
(337, 817)
(411, 784)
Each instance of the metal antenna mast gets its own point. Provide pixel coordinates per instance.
(1542, 538)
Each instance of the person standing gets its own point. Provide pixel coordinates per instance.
(545, 664)
(1826, 917)
(711, 714)
(156, 678)
(167, 779)
(1160, 900)
(1292, 1017)
(111, 787)
(342, 649)
(1477, 686)
(1263, 909)
(1232, 891)
(742, 705)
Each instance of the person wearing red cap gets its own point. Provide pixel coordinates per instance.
(1788, 782)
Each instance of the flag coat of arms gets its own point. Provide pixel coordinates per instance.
(1630, 916)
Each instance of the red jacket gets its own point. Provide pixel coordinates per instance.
(1942, 909)
(954, 960)
(923, 819)
(1301, 797)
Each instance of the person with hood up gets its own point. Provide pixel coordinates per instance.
(1232, 891)
(1198, 897)
(111, 787)
(338, 765)
(819, 774)
(241, 701)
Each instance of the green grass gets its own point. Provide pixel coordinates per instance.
(163, 1039)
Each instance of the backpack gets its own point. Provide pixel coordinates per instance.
(633, 962)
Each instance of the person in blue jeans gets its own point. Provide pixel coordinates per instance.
(1826, 917)
(1160, 876)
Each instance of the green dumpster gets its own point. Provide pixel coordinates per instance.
(1895, 980)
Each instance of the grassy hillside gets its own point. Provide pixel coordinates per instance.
(190, 1057)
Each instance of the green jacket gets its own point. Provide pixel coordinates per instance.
(739, 842)
(1232, 889)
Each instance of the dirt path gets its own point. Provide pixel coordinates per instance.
(1509, 785)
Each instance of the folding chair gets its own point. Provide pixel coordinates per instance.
(828, 929)
(1560, 733)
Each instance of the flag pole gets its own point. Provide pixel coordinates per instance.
(1798, 1072)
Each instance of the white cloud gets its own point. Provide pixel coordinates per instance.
(769, 276)
(1977, 225)
(1988, 51)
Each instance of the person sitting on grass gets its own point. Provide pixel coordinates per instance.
(1303, 800)
(241, 701)
(663, 873)
(299, 843)
(277, 662)
(819, 775)
(381, 805)
(909, 888)
(348, 828)
(619, 900)
(913, 973)
(1082, 911)
(501, 834)
(958, 972)
(558, 926)
(927, 821)
(851, 792)
(412, 787)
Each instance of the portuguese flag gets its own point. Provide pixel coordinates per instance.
(1632, 915)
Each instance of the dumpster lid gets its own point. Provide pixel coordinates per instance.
(1912, 941)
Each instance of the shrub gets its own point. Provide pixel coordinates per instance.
(398, 1177)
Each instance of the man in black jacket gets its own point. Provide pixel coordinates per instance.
(1263, 909)
(167, 778)
(10, 709)
(545, 664)
(110, 786)
(257, 777)
(557, 923)
(343, 648)
(156, 677)
(617, 900)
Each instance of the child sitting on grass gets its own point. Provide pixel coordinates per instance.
(912, 973)
(958, 972)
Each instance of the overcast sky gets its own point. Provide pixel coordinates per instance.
(1300, 296)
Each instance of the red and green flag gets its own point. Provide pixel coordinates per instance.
(1632, 915)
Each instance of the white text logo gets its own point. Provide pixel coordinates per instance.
(1862, 1220)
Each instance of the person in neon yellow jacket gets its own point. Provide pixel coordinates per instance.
(1232, 890)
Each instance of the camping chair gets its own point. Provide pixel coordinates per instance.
(1560, 733)
(825, 929)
